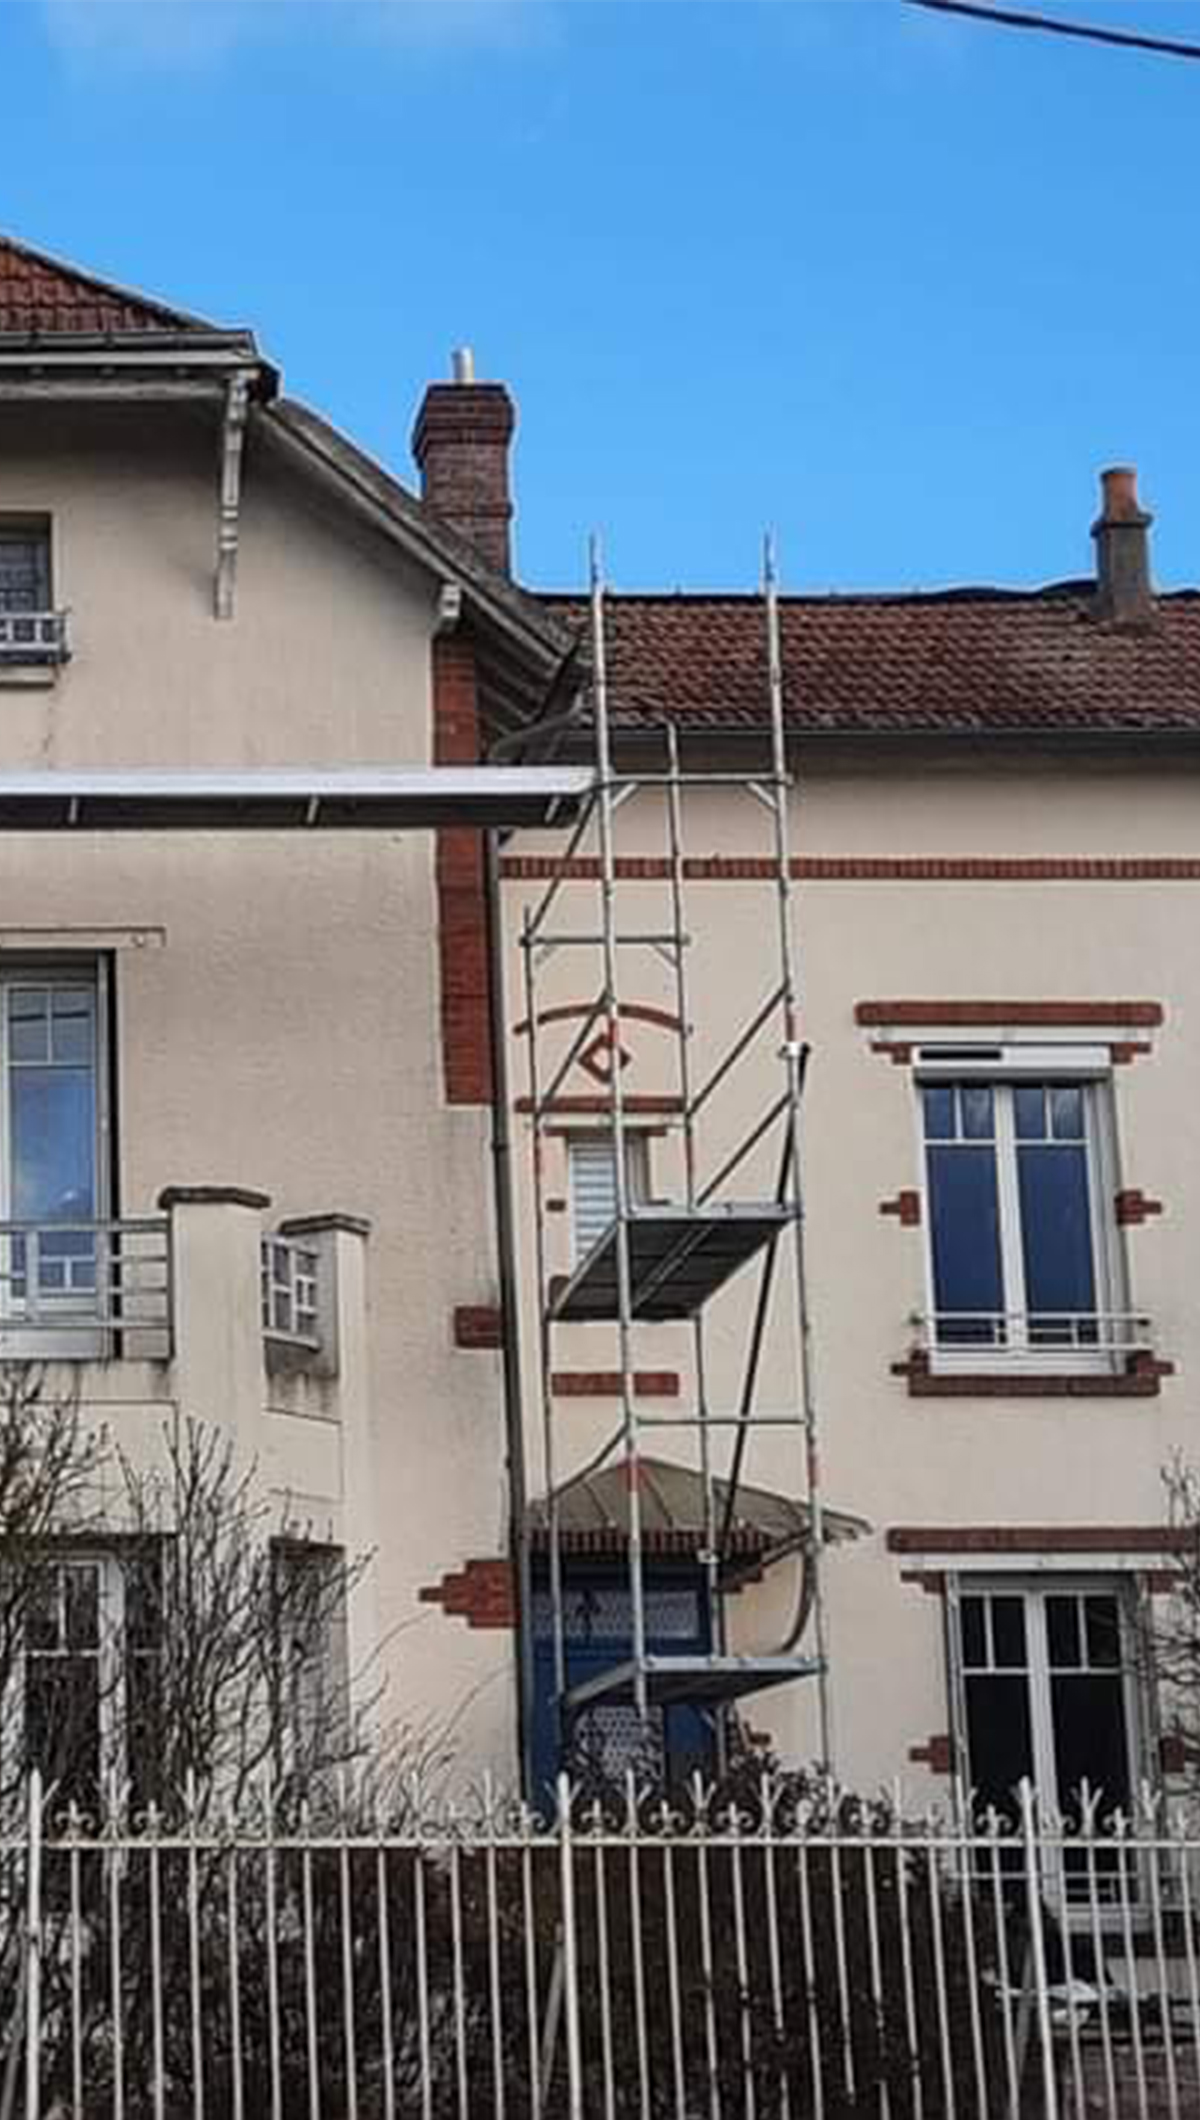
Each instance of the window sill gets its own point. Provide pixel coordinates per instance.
(1141, 1380)
(28, 677)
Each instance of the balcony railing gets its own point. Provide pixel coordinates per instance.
(289, 1293)
(33, 637)
(85, 1288)
(1006, 1339)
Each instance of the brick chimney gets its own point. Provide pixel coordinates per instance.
(461, 442)
(1124, 596)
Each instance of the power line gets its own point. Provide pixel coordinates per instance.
(1016, 18)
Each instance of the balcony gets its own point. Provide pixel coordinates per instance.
(33, 637)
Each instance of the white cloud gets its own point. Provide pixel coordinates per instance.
(190, 33)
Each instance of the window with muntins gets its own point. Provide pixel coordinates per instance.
(24, 569)
(53, 1136)
(1019, 1220)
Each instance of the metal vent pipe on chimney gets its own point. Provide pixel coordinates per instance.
(1124, 595)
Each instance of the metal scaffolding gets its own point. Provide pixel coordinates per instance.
(665, 1261)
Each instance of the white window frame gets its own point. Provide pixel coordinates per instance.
(1035, 1589)
(1004, 1067)
(595, 1141)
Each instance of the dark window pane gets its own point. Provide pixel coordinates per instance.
(965, 1224)
(1008, 1632)
(53, 1144)
(977, 1106)
(1066, 1111)
(42, 1610)
(81, 1588)
(937, 1101)
(974, 1633)
(28, 1024)
(1056, 1230)
(1029, 1111)
(62, 1723)
(1091, 1741)
(72, 1015)
(1103, 1624)
(24, 572)
(998, 1739)
(1062, 1630)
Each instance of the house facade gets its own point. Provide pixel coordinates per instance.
(268, 1112)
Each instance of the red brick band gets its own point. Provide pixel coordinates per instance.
(867, 868)
(1137, 1382)
(1037, 1538)
(606, 1383)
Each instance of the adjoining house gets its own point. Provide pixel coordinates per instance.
(287, 1069)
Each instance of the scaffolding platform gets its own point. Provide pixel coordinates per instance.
(678, 1259)
(689, 1681)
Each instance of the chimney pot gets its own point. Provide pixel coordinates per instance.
(461, 442)
(1124, 596)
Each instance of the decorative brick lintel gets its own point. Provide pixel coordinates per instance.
(931, 1580)
(1041, 1015)
(906, 1207)
(950, 1539)
(1132, 1207)
(482, 1592)
(606, 1383)
(478, 1325)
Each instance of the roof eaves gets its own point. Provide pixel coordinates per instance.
(320, 446)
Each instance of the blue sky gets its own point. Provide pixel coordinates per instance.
(895, 285)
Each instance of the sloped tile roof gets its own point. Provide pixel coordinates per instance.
(960, 661)
(42, 294)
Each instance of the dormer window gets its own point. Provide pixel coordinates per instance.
(31, 630)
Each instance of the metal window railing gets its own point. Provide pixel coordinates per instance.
(86, 1287)
(33, 637)
(1012, 1336)
(809, 1954)
(290, 1293)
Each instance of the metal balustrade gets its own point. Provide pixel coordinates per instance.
(1008, 1337)
(290, 1293)
(793, 1953)
(85, 1288)
(33, 637)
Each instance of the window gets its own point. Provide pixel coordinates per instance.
(1019, 1228)
(593, 1168)
(24, 569)
(1046, 1691)
(312, 1707)
(31, 631)
(608, 1739)
(52, 1153)
(88, 1630)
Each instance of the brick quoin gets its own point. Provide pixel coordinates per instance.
(482, 1592)
(937, 1753)
(1132, 1207)
(461, 889)
(478, 1325)
(906, 1207)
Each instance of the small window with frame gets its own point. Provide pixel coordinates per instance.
(31, 629)
(592, 1162)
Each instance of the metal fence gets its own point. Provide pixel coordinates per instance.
(789, 1954)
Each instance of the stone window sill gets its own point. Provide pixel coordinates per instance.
(1141, 1380)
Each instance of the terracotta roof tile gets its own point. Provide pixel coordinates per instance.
(961, 660)
(43, 295)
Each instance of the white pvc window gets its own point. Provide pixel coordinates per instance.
(1046, 1691)
(593, 1175)
(1018, 1187)
(53, 1144)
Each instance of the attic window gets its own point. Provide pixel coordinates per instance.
(31, 630)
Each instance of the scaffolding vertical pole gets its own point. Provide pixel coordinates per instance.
(709, 1558)
(554, 1555)
(606, 811)
(793, 1060)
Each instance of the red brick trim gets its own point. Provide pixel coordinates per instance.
(1140, 1382)
(606, 1383)
(1128, 1049)
(906, 1207)
(629, 1011)
(478, 1325)
(1132, 1207)
(598, 1104)
(482, 1592)
(899, 1055)
(1172, 1753)
(937, 1753)
(931, 1580)
(870, 868)
(1036, 1538)
(1044, 1015)
(461, 888)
